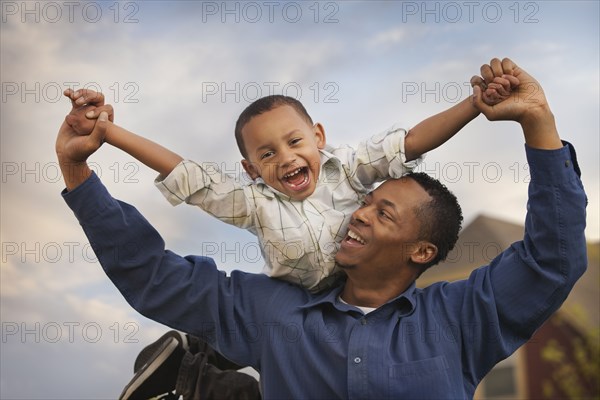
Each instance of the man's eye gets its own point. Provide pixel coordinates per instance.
(384, 214)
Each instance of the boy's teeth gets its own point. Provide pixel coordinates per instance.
(289, 175)
(356, 237)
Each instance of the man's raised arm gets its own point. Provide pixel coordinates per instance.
(525, 284)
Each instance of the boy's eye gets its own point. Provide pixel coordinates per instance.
(295, 141)
(267, 154)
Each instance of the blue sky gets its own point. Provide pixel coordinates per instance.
(180, 73)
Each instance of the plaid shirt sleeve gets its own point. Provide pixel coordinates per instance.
(215, 192)
(380, 157)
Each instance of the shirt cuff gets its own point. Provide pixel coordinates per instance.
(395, 153)
(553, 166)
(89, 199)
(174, 185)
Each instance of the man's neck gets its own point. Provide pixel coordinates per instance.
(374, 292)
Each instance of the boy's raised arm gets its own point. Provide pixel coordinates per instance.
(437, 129)
(87, 107)
(152, 154)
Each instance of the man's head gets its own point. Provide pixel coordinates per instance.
(412, 221)
(280, 144)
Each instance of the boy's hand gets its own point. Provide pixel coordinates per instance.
(87, 106)
(526, 104)
(524, 101)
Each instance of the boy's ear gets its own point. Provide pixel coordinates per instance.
(319, 135)
(250, 169)
(423, 253)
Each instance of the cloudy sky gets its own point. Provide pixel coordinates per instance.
(180, 73)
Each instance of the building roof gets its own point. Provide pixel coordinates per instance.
(485, 237)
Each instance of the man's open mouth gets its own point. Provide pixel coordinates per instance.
(354, 239)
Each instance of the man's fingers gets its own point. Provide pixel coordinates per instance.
(94, 113)
(100, 128)
(514, 81)
(70, 94)
(496, 66)
(486, 73)
(73, 117)
(88, 96)
(508, 66)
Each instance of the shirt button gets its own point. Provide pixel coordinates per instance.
(363, 321)
(357, 360)
(567, 163)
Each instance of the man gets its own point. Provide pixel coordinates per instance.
(374, 335)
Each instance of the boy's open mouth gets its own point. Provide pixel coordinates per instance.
(297, 179)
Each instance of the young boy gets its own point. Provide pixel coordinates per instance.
(303, 191)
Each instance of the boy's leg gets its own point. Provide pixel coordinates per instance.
(156, 367)
(198, 379)
(185, 363)
(197, 345)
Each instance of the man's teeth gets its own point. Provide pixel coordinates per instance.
(290, 174)
(356, 237)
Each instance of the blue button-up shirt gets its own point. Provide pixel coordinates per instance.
(437, 342)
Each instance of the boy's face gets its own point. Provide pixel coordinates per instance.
(283, 149)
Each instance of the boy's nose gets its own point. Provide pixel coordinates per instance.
(287, 158)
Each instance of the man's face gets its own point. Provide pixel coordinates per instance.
(283, 149)
(384, 231)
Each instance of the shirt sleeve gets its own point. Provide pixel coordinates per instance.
(381, 157)
(185, 293)
(506, 302)
(207, 187)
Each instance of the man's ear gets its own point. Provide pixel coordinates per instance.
(423, 253)
(319, 135)
(251, 169)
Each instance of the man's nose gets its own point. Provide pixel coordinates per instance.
(361, 215)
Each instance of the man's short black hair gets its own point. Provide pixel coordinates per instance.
(441, 218)
(263, 105)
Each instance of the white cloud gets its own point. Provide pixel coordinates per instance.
(391, 36)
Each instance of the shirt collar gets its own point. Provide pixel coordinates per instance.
(405, 303)
(329, 158)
